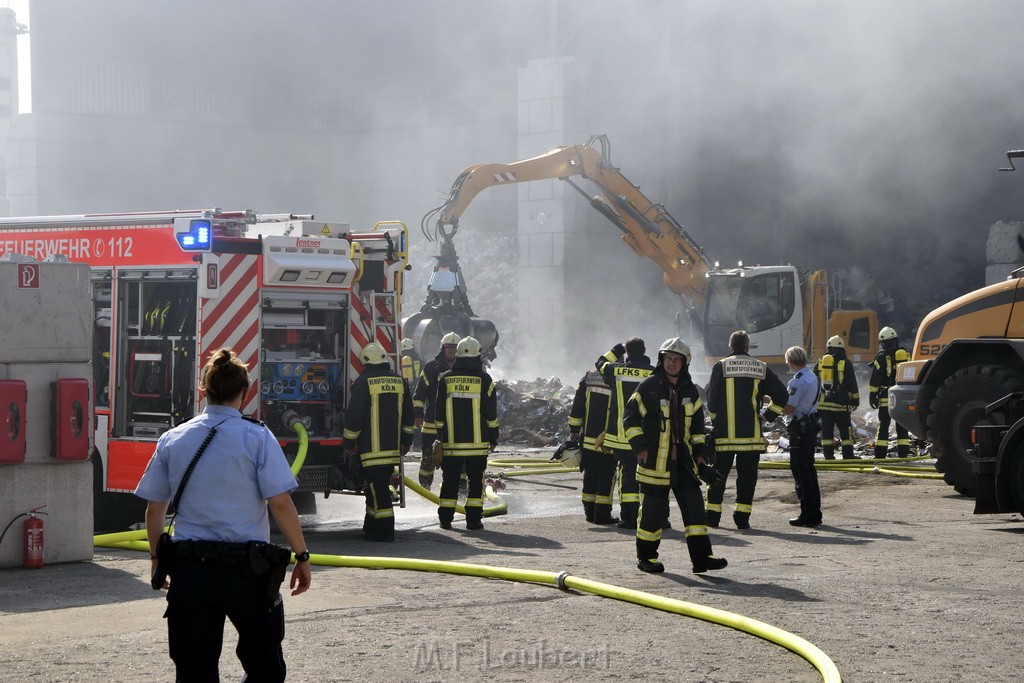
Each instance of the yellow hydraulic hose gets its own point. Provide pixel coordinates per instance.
(814, 655)
(300, 457)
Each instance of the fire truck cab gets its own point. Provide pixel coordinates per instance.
(294, 297)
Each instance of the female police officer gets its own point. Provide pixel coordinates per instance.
(223, 508)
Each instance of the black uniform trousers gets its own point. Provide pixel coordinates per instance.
(201, 595)
(746, 480)
(598, 479)
(654, 514)
(451, 471)
(882, 437)
(379, 520)
(830, 421)
(801, 464)
(629, 489)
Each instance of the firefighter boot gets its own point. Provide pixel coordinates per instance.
(474, 518)
(881, 451)
(445, 516)
(848, 452)
(383, 530)
(828, 449)
(741, 519)
(628, 513)
(368, 525)
(588, 511)
(699, 546)
(713, 518)
(650, 566)
(603, 514)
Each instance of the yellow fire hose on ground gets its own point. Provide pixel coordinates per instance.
(500, 507)
(135, 540)
(899, 467)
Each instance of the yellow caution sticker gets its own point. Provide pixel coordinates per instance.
(326, 232)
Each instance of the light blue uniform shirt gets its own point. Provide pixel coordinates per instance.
(803, 393)
(225, 498)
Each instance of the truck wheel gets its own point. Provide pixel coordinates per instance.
(959, 404)
(1015, 481)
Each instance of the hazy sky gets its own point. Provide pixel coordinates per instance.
(827, 134)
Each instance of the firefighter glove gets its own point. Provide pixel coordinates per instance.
(710, 476)
(873, 399)
(619, 350)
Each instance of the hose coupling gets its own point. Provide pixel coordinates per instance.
(560, 580)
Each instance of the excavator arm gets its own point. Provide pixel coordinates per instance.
(646, 227)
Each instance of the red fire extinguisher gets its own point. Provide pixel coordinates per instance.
(33, 535)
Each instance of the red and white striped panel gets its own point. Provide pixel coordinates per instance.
(233, 319)
(359, 333)
(506, 177)
(384, 305)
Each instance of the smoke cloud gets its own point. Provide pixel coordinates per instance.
(852, 135)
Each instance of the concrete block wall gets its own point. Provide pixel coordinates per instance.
(52, 341)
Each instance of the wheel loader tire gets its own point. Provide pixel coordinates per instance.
(959, 404)
(1015, 480)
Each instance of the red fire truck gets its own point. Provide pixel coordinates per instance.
(296, 299)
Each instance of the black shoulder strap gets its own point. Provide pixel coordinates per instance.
(191, 466)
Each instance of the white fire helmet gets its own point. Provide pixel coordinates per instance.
(836, 342)
(569, 454)
(452, 338)
(468, 348)
(676, 345)
(372, 354)
(407, 344)
(886, 333)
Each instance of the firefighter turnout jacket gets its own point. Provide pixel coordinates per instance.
(667, 421)
(622, 377)
(589, 409)
(839, 390)
(426, 391)
(883, 374)
(734, 402)
(465, 413)
(379, 418)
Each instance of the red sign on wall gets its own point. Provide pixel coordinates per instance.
(28, 276)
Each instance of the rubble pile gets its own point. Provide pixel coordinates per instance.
(865, 426)
(535, 413)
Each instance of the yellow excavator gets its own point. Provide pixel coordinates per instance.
(963, 390)
(777, 305)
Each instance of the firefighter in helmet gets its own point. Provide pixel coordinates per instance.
(735, 392)
(883, 376)
(664, 421)
(465, 414)
(838, 398)
(586, 424)
(379, 429)
(623, 368)
(410, 361)
(423, 398)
